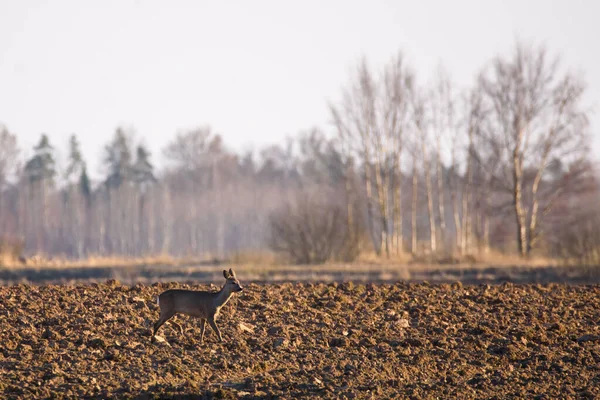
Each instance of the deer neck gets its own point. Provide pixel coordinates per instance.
(223, 297)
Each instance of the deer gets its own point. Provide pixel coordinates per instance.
(201, 304)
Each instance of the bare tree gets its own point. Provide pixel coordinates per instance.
(572, 224)
(186, 149)
(9, 153)
(415, 203)
(310, 229)
(348, 175)
(537, 115)
(472, 117)
(398, 88)
(74, 204)
(372, 121)
(355, 120)
(444, 125)
(422, 125)
(194, 161)
(483, 160)
(456, 184)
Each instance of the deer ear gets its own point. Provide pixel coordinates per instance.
(231, 273)
(225, 274)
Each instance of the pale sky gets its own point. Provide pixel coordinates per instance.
(256, 71)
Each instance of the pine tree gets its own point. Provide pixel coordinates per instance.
(143, 170)
(41, 167)
(76, 164)
(118, 160)
(39, 174)
(84, 183)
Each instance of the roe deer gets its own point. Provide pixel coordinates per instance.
(201, 304)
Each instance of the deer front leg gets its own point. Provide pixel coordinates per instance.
(164, 317)
(202, 326)
(175, 324)
(215, 328)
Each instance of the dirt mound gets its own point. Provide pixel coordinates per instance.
(305, 341)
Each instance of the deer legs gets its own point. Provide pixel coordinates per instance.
(215, 328)
(164, 317)
(213, 325)
(211, 321)
(175, 324)
(202, 326)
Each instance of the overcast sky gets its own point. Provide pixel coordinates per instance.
(254, 70)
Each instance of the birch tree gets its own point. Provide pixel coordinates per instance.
(40, 171)
(9, 160)
(371, 121)
(9, 154)
(422, 124)
(398, 86)
(354, 119)
(444, 122)
(538, 115)
(75, 206)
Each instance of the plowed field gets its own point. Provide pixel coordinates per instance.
(305, 341)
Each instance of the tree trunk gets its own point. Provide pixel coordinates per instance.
(518, 202)
(166, 221)
(441, 197)
(429, 194)
(454, 190)
(382, 194)
(102, 228)
(533, 234)
(486, 234)
(415, 198)
(141, 234)
(467, 194)
(349, 204)
(44, 211)
(369, 192)
(397, 211)
(219, 211)
(151, 219)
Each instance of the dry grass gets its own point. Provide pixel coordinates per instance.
(160, 269)
(8, 260)
(370, 257)
(497, 258)
(11, 249)
(255, 258)
(99, 261)
(488, 258)
(264, 261)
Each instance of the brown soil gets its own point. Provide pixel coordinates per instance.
(305, 341)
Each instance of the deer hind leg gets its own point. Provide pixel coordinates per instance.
(175, 324)
(215, 328)
(202, 327)
(164, 317)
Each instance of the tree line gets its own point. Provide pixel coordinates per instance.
(405, 167)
